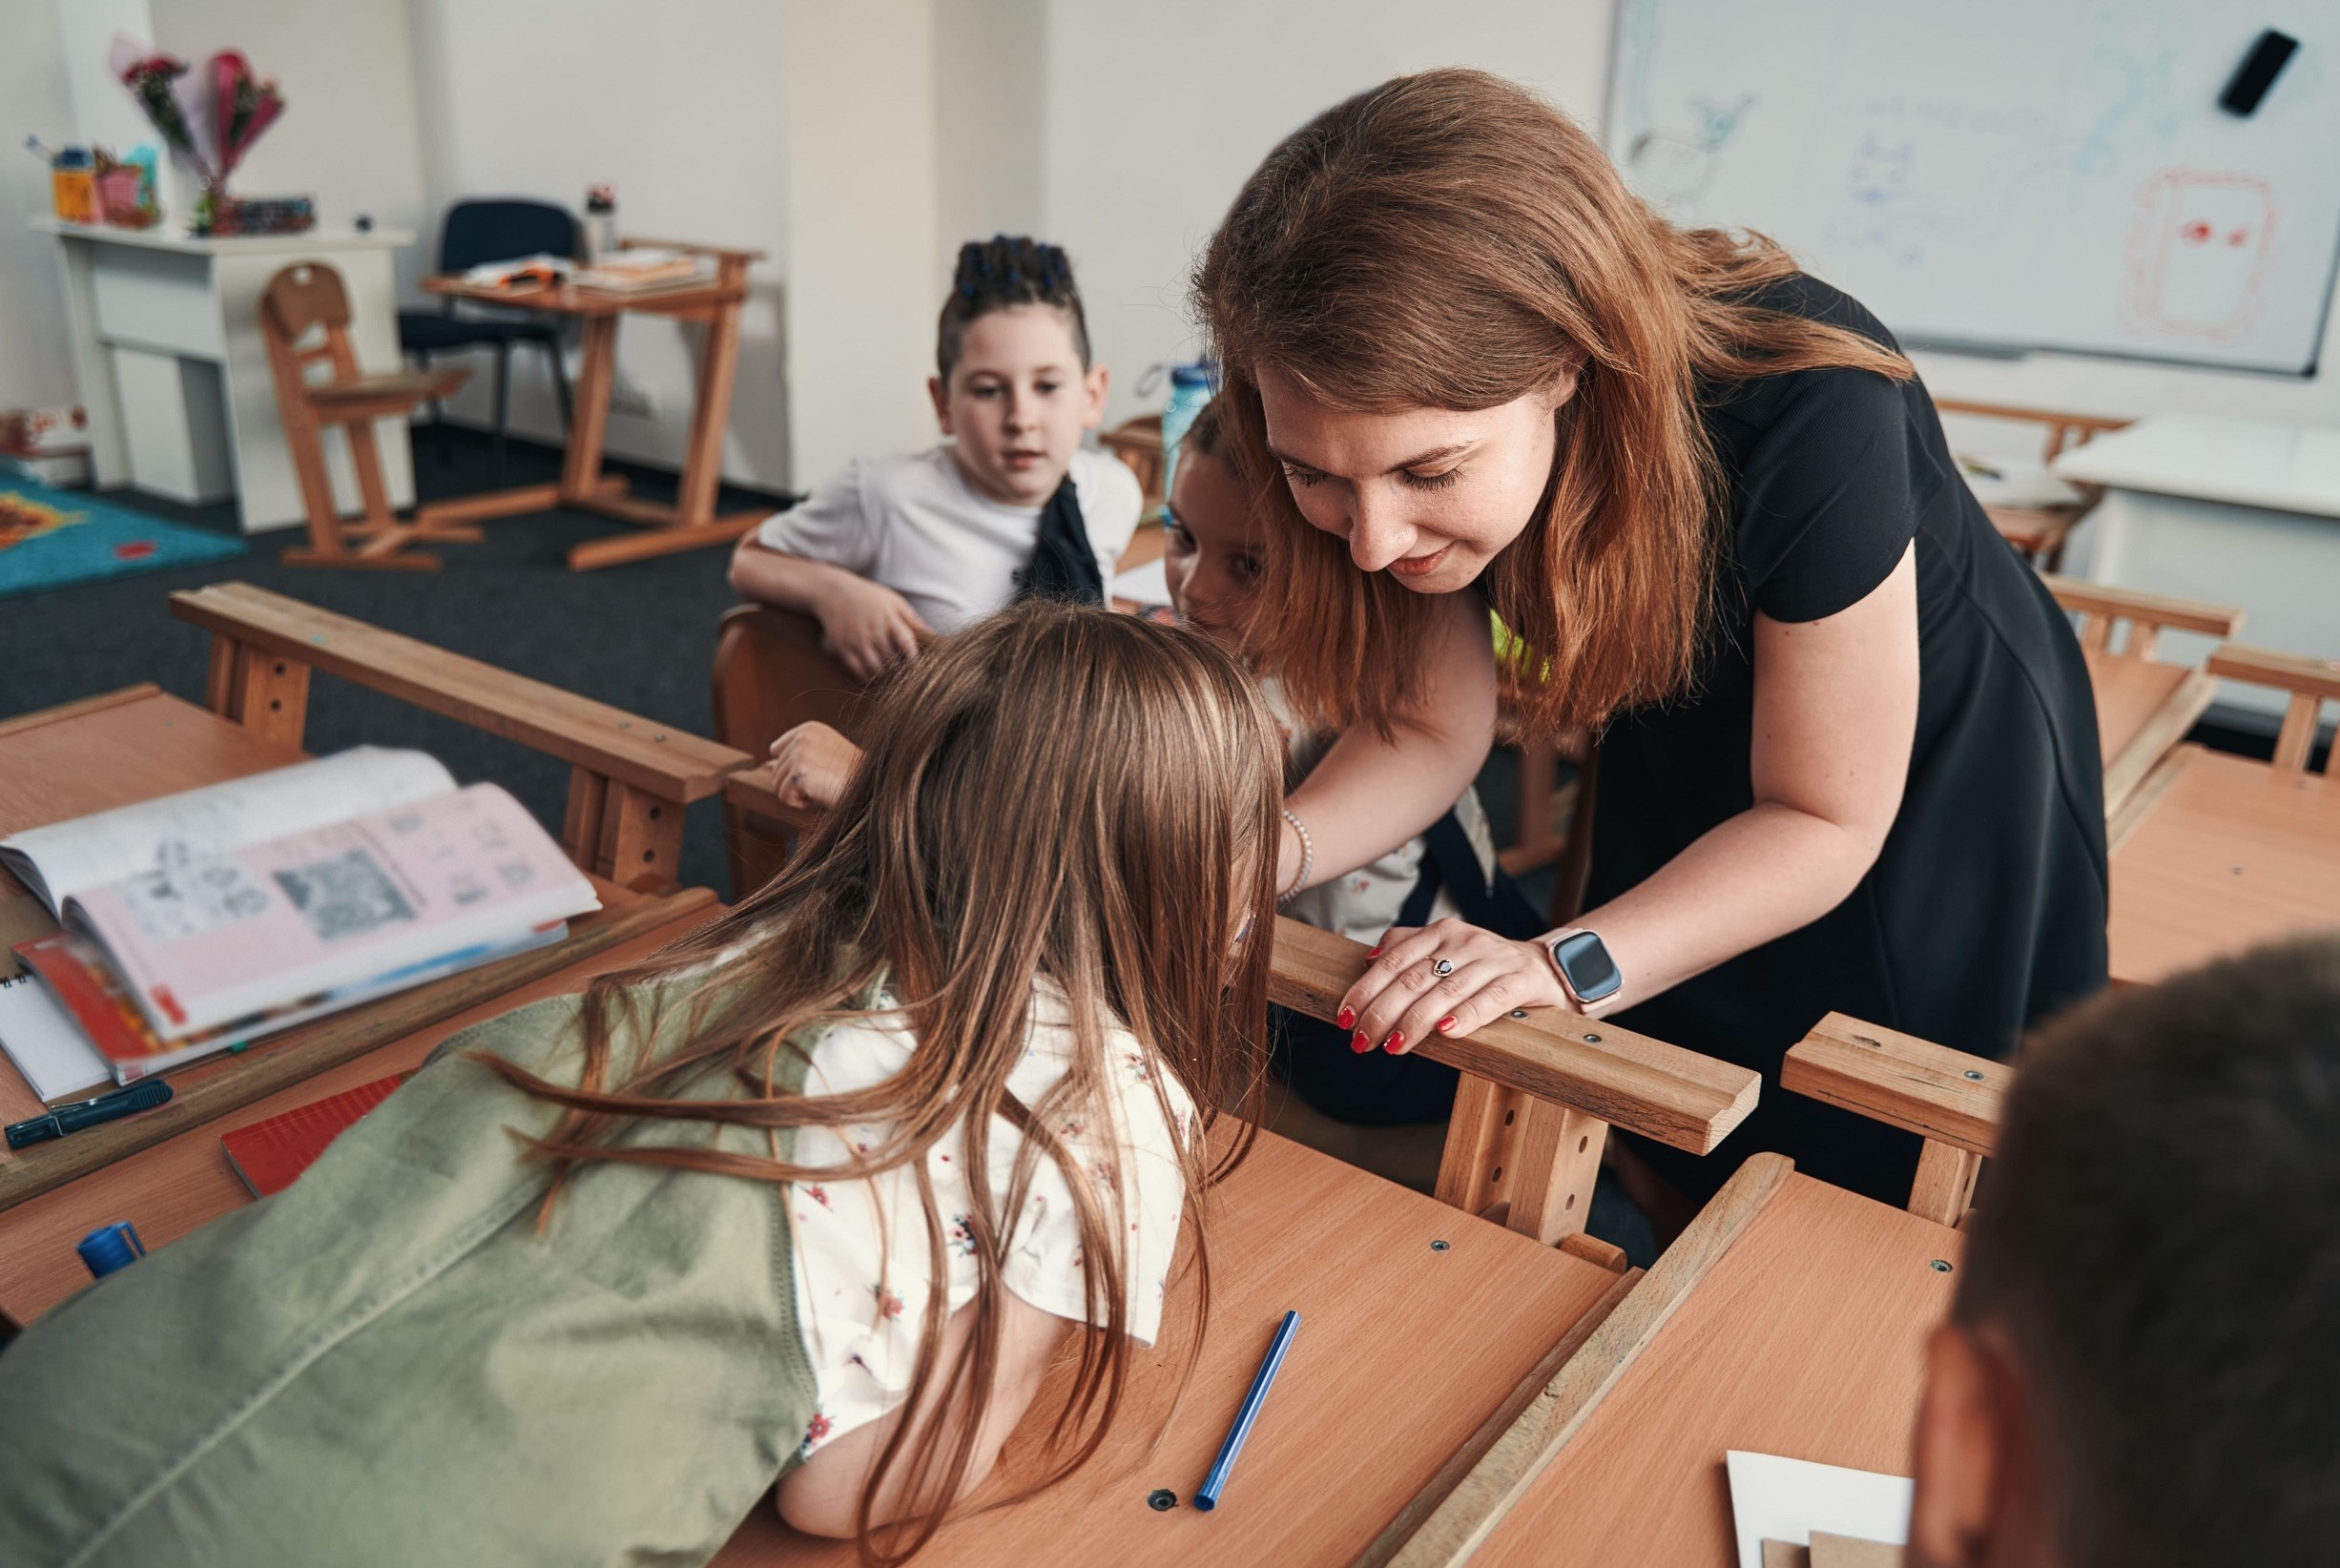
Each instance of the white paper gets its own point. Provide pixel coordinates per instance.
(45, 1042)
(1145, 584)
(62, 859)
(1772, 1498)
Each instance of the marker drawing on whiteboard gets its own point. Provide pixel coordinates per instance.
(2199, 250)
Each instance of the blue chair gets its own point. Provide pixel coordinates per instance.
(480, 230)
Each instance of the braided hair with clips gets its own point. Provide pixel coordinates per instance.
(999, 274)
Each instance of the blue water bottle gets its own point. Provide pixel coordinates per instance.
(1191, 386)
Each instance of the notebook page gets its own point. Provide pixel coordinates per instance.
(47, 1048)
(62, 859)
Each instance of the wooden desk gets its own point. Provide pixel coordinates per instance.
(135, 745)
(1403, 1350)
(690, 523)
(2215, 854)
(2143, 709)
(1802, 1333)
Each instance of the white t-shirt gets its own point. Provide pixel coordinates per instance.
(860, 1244)
(913, 523)
(1364, 903)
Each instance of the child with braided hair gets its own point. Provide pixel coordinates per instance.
(1009, 505)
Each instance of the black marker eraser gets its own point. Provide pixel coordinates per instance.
(2257, 73)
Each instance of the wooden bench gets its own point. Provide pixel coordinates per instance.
(2143, 705)
(1950, 1098)
(631, 779)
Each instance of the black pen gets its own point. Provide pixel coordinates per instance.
(88, 1113)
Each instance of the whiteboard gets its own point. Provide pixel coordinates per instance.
(2007, 174)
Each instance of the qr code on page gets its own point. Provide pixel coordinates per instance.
(348, 895)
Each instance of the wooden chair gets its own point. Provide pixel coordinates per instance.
(308, 297)
(631, 780)
(771, 674)
(2143, 706)
(1950, 1098)
(2310, 682)
(1138, 443)
(2038, 532)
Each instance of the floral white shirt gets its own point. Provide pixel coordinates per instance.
(860, 1244)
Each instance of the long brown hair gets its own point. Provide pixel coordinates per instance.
(1450, 240)
(1058, 792)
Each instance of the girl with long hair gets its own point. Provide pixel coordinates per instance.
(814, 1196)
(1848, 749)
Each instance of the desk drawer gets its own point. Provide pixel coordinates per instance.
(157, 300)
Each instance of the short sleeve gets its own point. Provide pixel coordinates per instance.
(1139, 1160)
(1110, 505)
(832, 525)
(1828, 497)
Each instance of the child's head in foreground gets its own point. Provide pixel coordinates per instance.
(2142, 1366)
(1213, 555)
(1013, 385)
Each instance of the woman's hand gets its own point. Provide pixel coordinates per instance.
(1403, 999)
(812, 761)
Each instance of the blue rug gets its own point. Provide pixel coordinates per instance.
(51, 538)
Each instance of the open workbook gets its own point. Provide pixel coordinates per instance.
(201, 921)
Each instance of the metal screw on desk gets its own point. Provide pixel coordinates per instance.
(1974, 1073)
(1440, 1246)
(1941, 1265)
(1592, 1039)
(1162, 1499)
(1519, 1012)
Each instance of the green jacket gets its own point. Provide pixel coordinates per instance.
(386, 1364)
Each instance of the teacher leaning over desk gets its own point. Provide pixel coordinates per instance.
(1848, 754)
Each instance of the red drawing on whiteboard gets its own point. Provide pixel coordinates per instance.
(2199, 249)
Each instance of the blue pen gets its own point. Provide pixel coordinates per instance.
(1207, 1498)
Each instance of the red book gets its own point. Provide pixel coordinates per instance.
(268, 1155)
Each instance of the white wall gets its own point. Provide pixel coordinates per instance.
(1156, 114)
(681, 106)
(36, 368)
(865, 267)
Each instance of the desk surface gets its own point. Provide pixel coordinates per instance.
(1402, 1350)
(2207, 457)
(1806, 1339)
(2129, 693)
(169, 236)
(564, 300)
(2225, 853)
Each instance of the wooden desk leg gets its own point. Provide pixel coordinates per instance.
(1560, 1159)
(641, 838)
(1483, 1142)
(581, 825)
(266, 695)
(588, 419)
(1946, 1186)
(702, 469)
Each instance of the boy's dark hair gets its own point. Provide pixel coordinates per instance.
(1001, 272)
(2160, 1238)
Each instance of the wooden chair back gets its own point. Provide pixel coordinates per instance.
(771, 674)
(304, 296)
(1950, 1098)
(2102, 609)
(1138, 443)
(2038, 532)
(2311, 682)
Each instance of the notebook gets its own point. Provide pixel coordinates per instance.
(40, 1037)
(269, 1154)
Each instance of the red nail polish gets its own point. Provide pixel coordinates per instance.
(1375, 954)
(1345, 1019)
(1446, 1024)
(1359, 1043)
(1396, 1044)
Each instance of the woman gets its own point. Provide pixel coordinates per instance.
(1848, 753)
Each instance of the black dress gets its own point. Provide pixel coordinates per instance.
(1986, 909)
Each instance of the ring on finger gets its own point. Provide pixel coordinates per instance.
(1442, 968)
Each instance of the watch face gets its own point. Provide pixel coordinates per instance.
(1585, 964)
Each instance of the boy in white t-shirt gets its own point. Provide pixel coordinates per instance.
(900, 547)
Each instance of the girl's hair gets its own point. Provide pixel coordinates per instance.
(1449, 240)
(1207, 435)
(997, 274)
(1057, 793)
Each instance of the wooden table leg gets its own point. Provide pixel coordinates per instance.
(702, 469)
(590, 409)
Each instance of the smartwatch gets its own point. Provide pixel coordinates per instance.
(1586, 969)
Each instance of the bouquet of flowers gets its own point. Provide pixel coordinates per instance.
(209, 119)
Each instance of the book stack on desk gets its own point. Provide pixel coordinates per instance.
(642, 269)
(203, 920)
